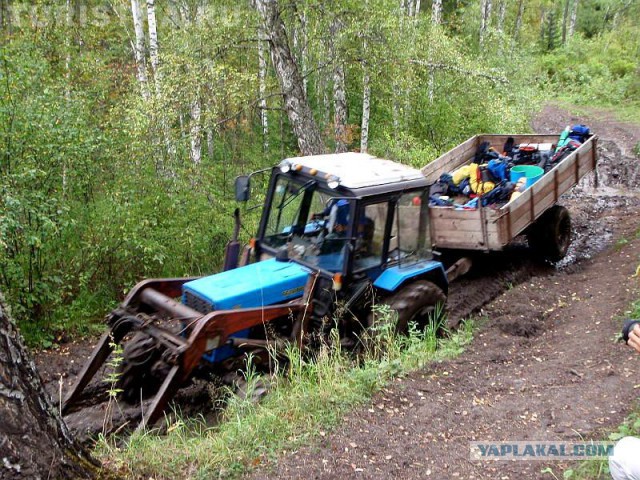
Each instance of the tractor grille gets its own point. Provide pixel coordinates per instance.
(197, 303)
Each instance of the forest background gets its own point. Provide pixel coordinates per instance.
(124, 123)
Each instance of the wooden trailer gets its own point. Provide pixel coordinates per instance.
(487, 228)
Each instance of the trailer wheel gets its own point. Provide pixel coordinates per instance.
(550, 235)
(421, 302)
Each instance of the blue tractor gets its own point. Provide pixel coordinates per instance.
(338, 233)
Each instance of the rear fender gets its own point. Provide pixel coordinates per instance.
(395, 277)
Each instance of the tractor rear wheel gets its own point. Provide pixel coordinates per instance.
(550, 235)
(421, 302)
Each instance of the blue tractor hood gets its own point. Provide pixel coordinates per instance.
(258, 284)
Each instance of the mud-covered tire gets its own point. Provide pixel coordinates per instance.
(550, 236)
(421, 302)
(135, 373)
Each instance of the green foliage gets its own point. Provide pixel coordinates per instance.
(602, 70)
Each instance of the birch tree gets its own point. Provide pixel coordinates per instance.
(565, 21)
(196, 131)
(502, 12)
(295, 101)
(436, 12)
(153, 42)
(339, 91)
(518, 24)
(262, 90)
(139, 48)
(574, 18)
(485, 19)
(366, 110)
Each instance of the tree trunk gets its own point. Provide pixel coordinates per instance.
(485, 19)
(138, 48)
(574, 18)
(35, 442)
(410, 8)
(436, 12)
(339, 93)
(518, 24)
(502, 12)
(262, 91)
(366, 111)
(196, 132)
(295, 101)
(153, 40)
(565, 21)
(304, 52)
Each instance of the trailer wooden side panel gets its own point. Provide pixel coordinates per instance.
(492, 229)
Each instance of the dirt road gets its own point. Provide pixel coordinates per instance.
(544, 366)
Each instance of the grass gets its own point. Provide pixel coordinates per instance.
(308, 398)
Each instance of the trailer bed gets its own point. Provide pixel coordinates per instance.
(487, 228)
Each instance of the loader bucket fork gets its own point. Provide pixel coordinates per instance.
(183, 353)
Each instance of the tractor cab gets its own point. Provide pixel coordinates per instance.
(350, 214)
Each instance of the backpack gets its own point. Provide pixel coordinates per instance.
(579, 133)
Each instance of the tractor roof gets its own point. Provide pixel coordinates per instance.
(356, 170)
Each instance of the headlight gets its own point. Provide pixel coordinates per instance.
(285, 166)
(333, 182)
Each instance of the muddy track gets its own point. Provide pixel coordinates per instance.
(614, 187)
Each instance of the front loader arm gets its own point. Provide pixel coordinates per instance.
(183, 354)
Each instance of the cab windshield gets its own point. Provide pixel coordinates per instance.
(313, 225)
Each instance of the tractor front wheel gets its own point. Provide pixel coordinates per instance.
(136, 378)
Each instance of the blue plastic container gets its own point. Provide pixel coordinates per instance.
(531, 172)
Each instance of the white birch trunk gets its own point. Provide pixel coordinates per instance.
(565, 21)
(138, 48)
(411, 8)
(502, 13)
(153, 39)
(518, 24)
(262, 86)
(485, 19)
(574, 18)
(436, 12)
(366, 111)
(417, 8)
(196, 132)
(339, 93)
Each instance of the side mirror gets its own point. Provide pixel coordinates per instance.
(243, 188)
